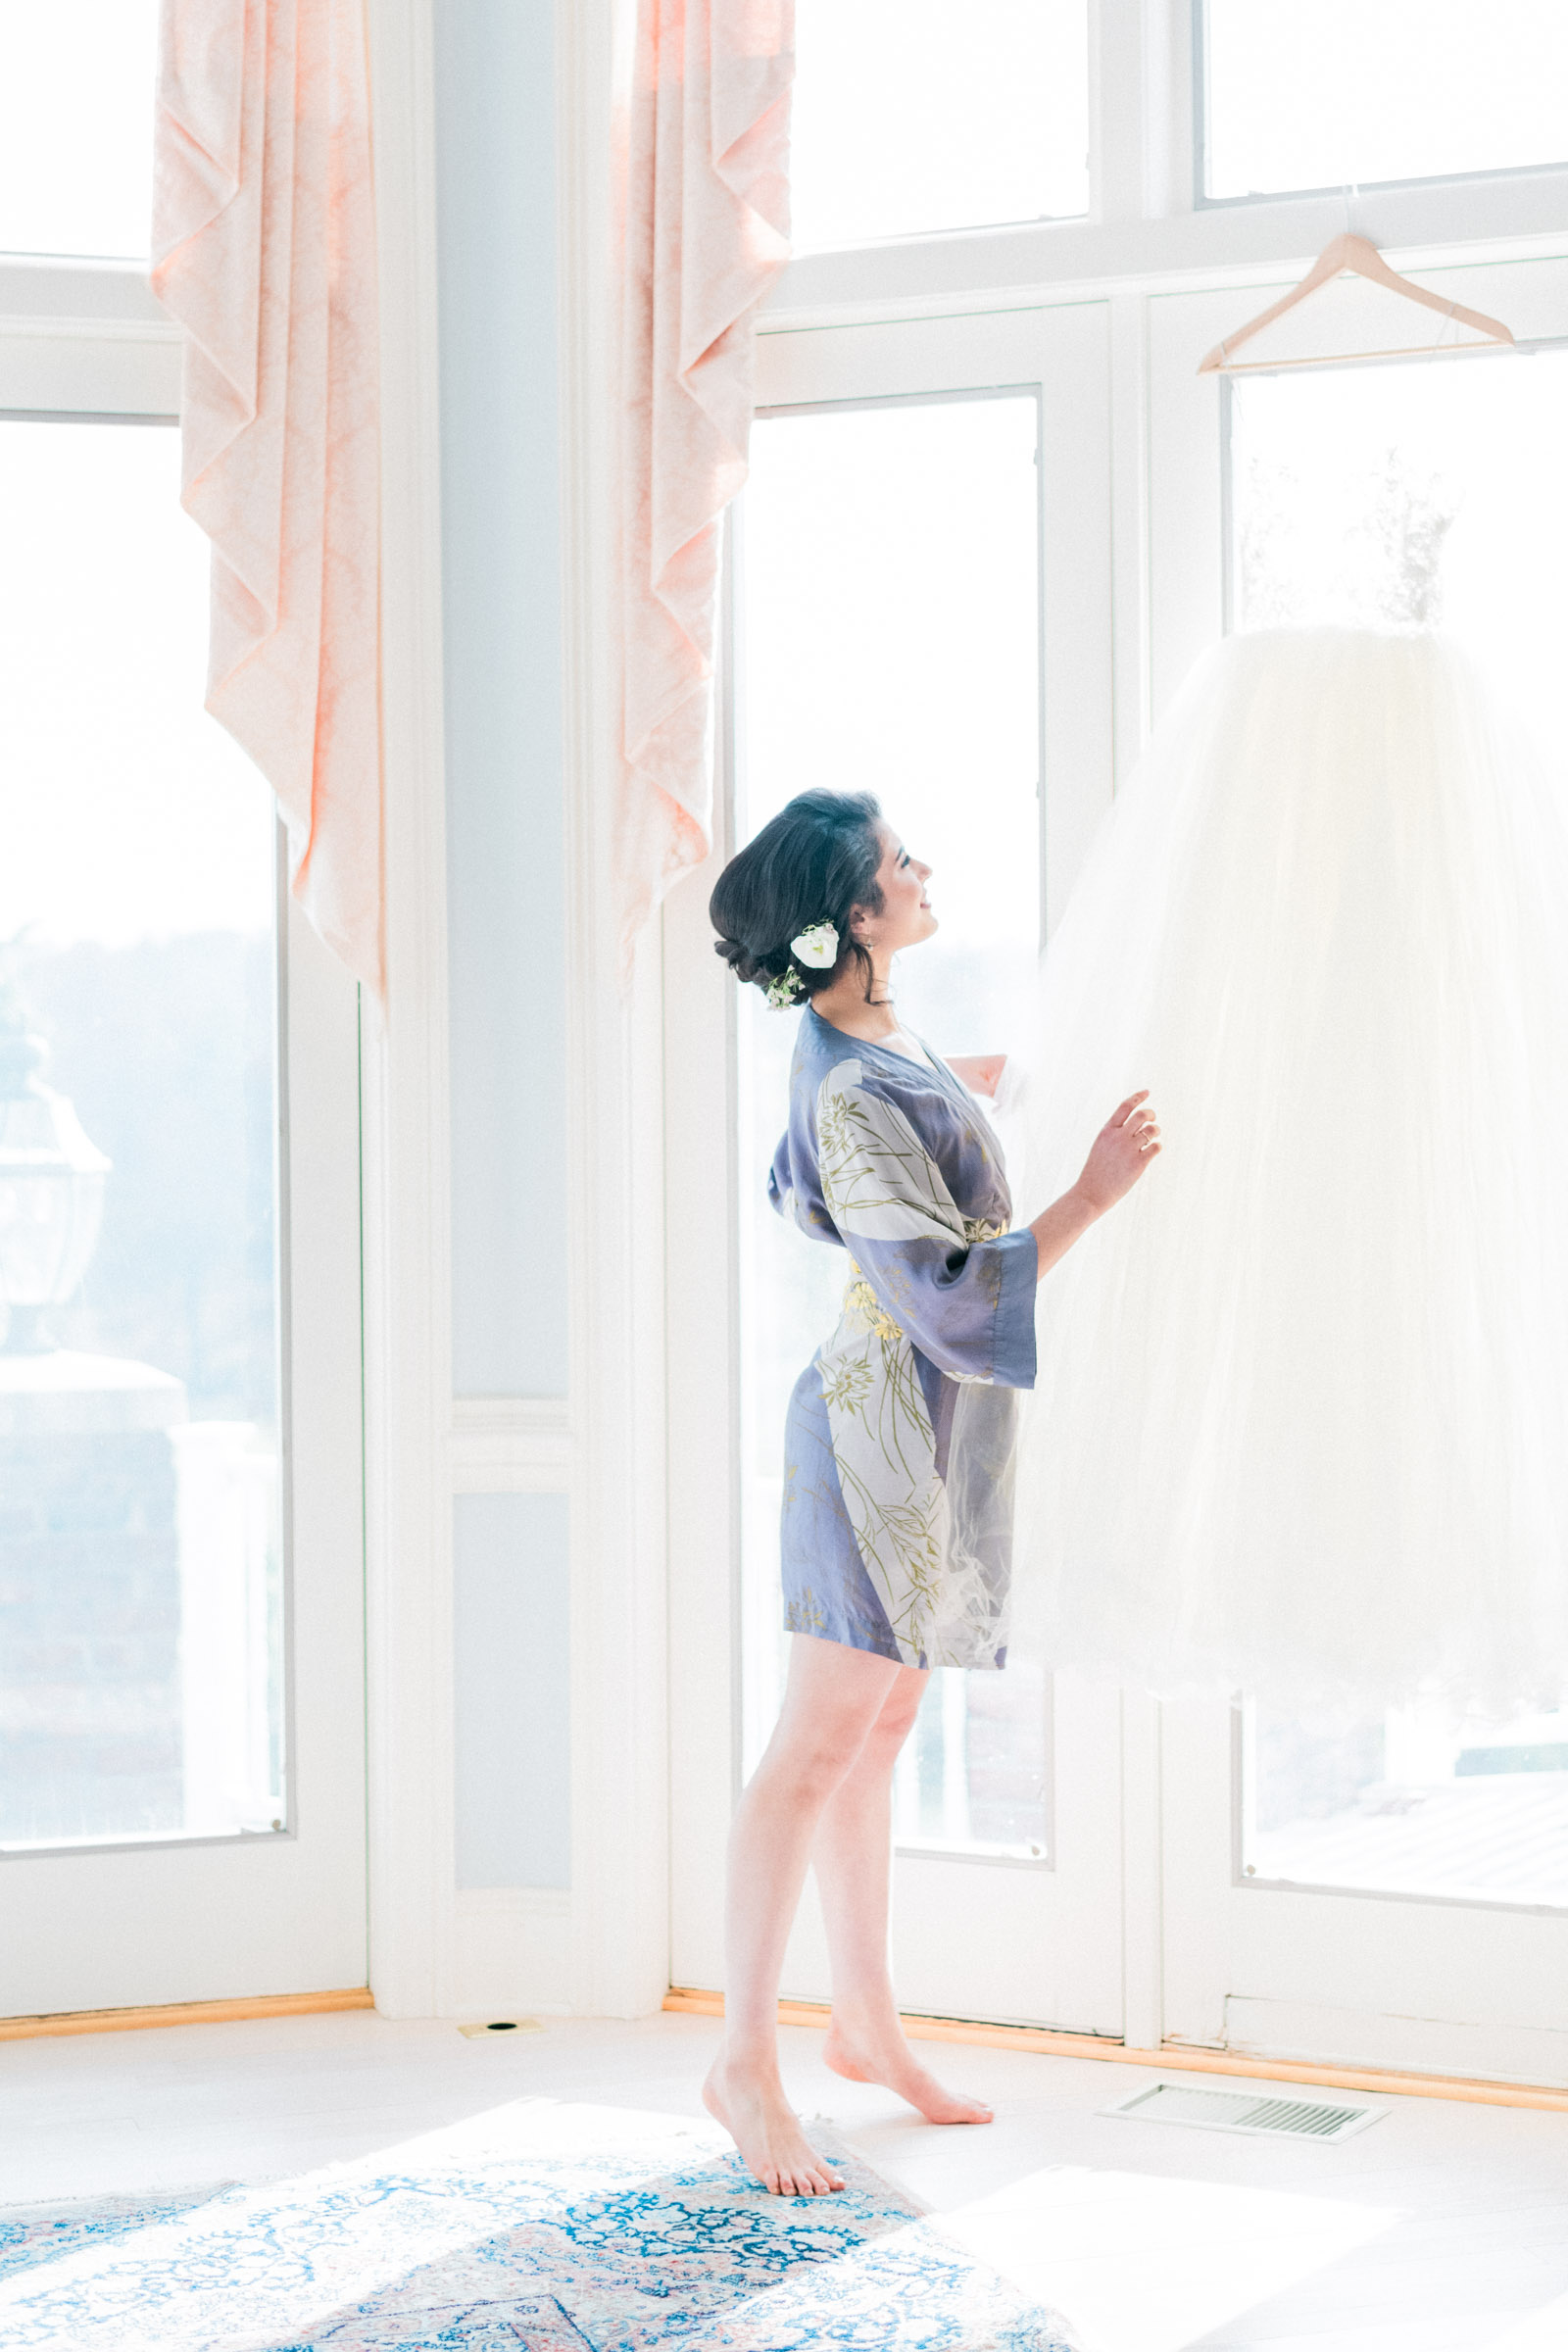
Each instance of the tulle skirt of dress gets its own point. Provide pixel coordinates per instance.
(1301, 1421)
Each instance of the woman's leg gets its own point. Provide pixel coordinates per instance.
(853, 1858)
(833, 1697)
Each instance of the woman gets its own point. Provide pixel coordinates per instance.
(898, 1442)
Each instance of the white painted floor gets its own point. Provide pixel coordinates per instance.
(1440, 2229)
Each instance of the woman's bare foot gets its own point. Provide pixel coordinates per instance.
(766, 2129)
(886, 2057)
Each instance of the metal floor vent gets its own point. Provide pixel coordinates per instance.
(1266, 2114)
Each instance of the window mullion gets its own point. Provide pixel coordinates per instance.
(1141, 109)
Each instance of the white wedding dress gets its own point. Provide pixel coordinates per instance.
(1301, 1421)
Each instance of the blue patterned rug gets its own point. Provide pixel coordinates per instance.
(558, 2227)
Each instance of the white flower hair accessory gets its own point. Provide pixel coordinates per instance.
(816, 947)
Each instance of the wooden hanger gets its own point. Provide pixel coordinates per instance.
(1354, 256)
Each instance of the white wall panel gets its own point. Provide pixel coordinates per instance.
(500, 531)
(512, 1607)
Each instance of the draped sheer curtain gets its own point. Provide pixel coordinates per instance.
(706, 230)
(263, 250)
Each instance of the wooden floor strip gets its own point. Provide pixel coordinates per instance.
(1169, 2058)
(187, 2013)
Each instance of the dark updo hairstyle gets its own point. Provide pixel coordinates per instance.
(809, 865)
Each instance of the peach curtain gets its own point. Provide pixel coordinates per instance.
(263, 250)
(706, 229)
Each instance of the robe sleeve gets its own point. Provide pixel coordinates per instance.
(781, 1180)
(962, 1294)
(790, 1190)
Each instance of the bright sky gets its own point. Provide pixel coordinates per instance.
(891, 637)
(77, 125)
(129, 813)
(913, 115)
(1310, 97)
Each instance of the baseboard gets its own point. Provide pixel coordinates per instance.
(1534, 2055)
(1170, 2058)
(512, 1951)
(187, 2013)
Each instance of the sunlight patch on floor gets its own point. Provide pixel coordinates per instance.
(1544, 2331)
(553, 2128)
(548, 2126)
(1141, 2264)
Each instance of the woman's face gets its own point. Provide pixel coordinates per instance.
(905, 918)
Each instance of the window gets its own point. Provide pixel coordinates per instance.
(913, 116)
(974, 1775)
(1354, 91)
(916, 619)
(75, 158)
(1412, 1804)
(142, 1679)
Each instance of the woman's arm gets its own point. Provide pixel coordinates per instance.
(1126, 1144)
(981, 1073)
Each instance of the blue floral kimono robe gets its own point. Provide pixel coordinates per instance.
(899, 1445)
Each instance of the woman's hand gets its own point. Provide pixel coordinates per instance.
(1126, 1144)
(1120, 1152)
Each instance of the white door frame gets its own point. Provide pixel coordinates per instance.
(1054, 1930)
(88, 341)
(234, 1917)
